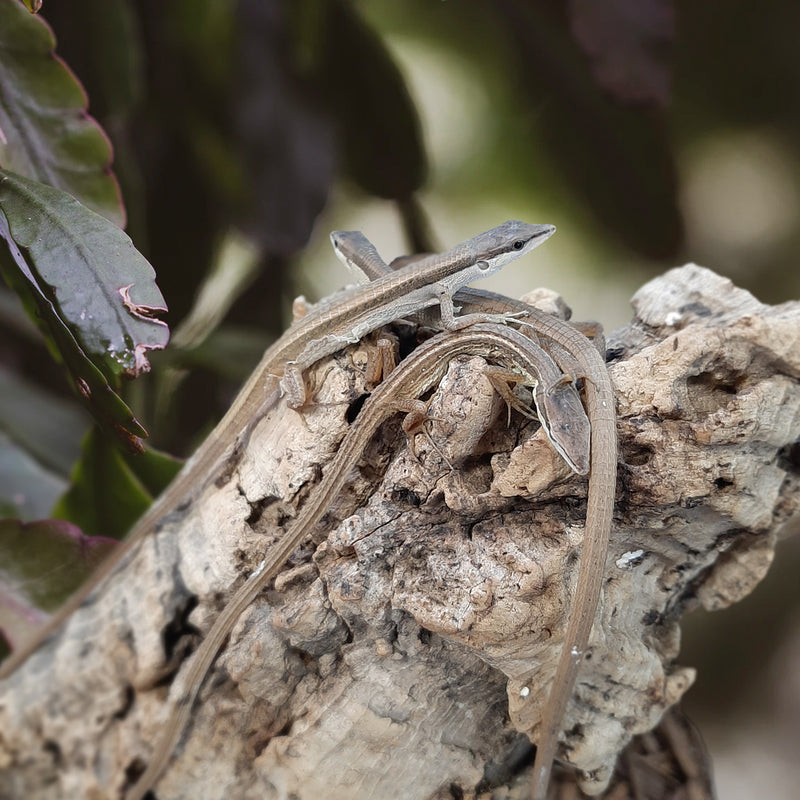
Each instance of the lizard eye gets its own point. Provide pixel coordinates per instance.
(482, 265)
(518, 245)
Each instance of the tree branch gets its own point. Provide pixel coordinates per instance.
(389, 659)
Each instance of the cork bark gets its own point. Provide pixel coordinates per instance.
(390, 658)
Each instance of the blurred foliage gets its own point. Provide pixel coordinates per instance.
(110, 490)
(241, 115)
(47, 134)
(42, 562)
(233, 121)
(75, 272)
(64, 253)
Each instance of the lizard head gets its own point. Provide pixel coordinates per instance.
(507, 242)
(347, 244)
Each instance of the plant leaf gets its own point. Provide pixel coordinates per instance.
(108, 492)
(88, 381)
(45, 132)
(43, 562)
(46, 426)
(91, 292)
(102, 287)
(153, 469)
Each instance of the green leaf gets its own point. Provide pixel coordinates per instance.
(43, 562)
(153, 469)
(91, 292)
(46, 133)
(101, 286)
(89, 383)
(107, 497)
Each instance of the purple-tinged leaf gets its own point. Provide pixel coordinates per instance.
(92, 294)
(45, 132)
(101, 287)
(43, 562)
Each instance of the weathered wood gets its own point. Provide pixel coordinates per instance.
(386, 660)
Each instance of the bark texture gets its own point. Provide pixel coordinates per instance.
(404, 653)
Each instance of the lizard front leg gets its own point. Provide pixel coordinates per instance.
(451, 322)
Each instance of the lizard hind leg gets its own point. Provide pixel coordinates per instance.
(500, 379)
(293, 386)
(382, 359)
(414, 422)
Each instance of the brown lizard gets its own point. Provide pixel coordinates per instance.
(335, 322)
(572, 348)
(554, 400)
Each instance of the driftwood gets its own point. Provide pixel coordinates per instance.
(392, 656)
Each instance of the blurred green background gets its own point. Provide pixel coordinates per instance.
(651, 133)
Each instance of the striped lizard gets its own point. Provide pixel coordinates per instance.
(554, 398)
(358, 253)
(343, 318)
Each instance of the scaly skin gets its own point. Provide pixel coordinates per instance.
(332, 324)
(574, 354)
(422, 369)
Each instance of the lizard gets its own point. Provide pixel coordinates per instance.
(334, 323)
(554, 399)
(356, 252)
(572, 348)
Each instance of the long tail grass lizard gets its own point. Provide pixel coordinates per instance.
(341, 319)
(572, 348)
(554, 398)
